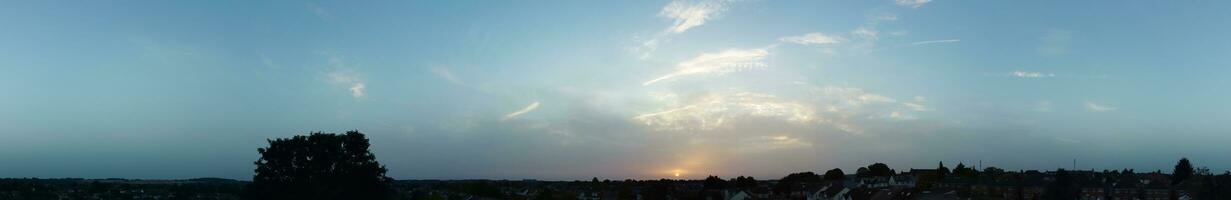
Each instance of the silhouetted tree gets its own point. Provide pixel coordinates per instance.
(788, 183)
(880, 169)
(964, 172)
(942, 171)
(321, 166)
(834, 174)
(993, 171)
(714, 183)
(863, 172)
(1183, 170)
(742, 182)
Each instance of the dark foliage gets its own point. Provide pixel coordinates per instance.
(1183, 170)
(941, 171)
(742, 182)
(714, 183)
(880, 169)
(790, 182)
(835, 174)
(319, 166)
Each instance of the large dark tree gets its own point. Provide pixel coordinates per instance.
(321, 166)
(863, 172)
(834, 174)
(1183, 170)
(880, 169)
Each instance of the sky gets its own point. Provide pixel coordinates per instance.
(569, 90)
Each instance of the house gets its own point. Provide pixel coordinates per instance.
(831, 193)
(737, 195)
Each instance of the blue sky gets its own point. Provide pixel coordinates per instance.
(644, 89)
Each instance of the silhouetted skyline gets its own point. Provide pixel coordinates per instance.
(615, 90)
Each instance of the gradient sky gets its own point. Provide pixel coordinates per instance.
(614, 89)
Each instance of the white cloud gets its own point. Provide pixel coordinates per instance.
(935, 41)
(884, 17)
(836, 107)
(717, 63)
(525, 110)
(357, 90)
(351, 80)
(866, 33)
(769, 143)
(687, 15)
(812, 38)
(344, 75)
(912, 3)
(691, 14)
(897, 115)
(647, 48)
(715, 110)
(1026, 74)
(1099, 108)
(916, 106)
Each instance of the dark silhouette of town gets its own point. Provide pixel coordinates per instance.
(339, 166)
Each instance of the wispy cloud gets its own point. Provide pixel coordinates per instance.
(319, 11)
(444, 73)
(916, 106)
(935, 41)
(770, 143)
(717, 109)
(351, 80)
(345, 75)
(717, 63)
(691, 14)
(812, 38)
(865, 32)
(525, 110)
(912, 3)
(1099, 107)
(687, 15)
(1026, 74)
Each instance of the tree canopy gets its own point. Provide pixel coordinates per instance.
(1183, 170)
(319, 166)
(835, 174)
(880, 169)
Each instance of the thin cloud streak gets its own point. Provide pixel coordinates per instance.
(935, 41)
(812, 38)
(1026, 74)
(1093, 107)
(525, 110)
(717, 63)
(912, 3)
